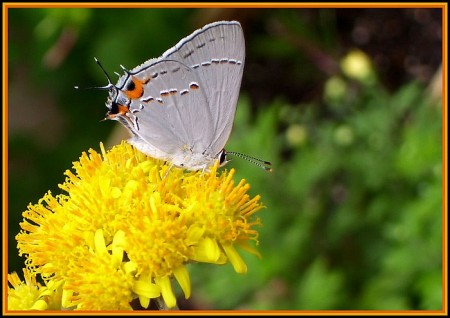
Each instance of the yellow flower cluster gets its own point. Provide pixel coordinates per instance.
(126, 227)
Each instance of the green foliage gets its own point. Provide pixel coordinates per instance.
(351, 222)
(353, 216)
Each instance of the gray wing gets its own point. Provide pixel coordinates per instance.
(172, 113)
(216, 54)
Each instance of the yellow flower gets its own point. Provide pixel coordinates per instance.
(100, 272)
(357, 65)
(125, 228)
(31, 295)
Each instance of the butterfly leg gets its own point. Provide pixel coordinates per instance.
(167, 172)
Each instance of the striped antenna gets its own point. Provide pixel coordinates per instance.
(260, 163)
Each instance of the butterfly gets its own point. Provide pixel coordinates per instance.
(180, 107)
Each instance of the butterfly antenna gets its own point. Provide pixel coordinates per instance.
(260, 163)
(110, 84)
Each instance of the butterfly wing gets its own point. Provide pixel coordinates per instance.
(216, 53)
(166, 104)
(181, 106)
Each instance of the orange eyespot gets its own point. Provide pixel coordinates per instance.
(135, 88)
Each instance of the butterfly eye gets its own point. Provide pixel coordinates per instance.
(114, 108)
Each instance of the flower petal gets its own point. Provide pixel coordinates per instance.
(207, 250)
(182, 276)
(235, 259)
(166, 291)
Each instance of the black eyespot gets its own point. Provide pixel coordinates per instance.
(222, 157)
(130, 86)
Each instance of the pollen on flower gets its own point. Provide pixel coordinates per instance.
(23, 295)
(103, 273)
(30, 294)
(124, 229)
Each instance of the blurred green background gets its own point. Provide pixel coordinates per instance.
(346, 104)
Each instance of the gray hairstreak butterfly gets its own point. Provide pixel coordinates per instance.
(180, 107)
